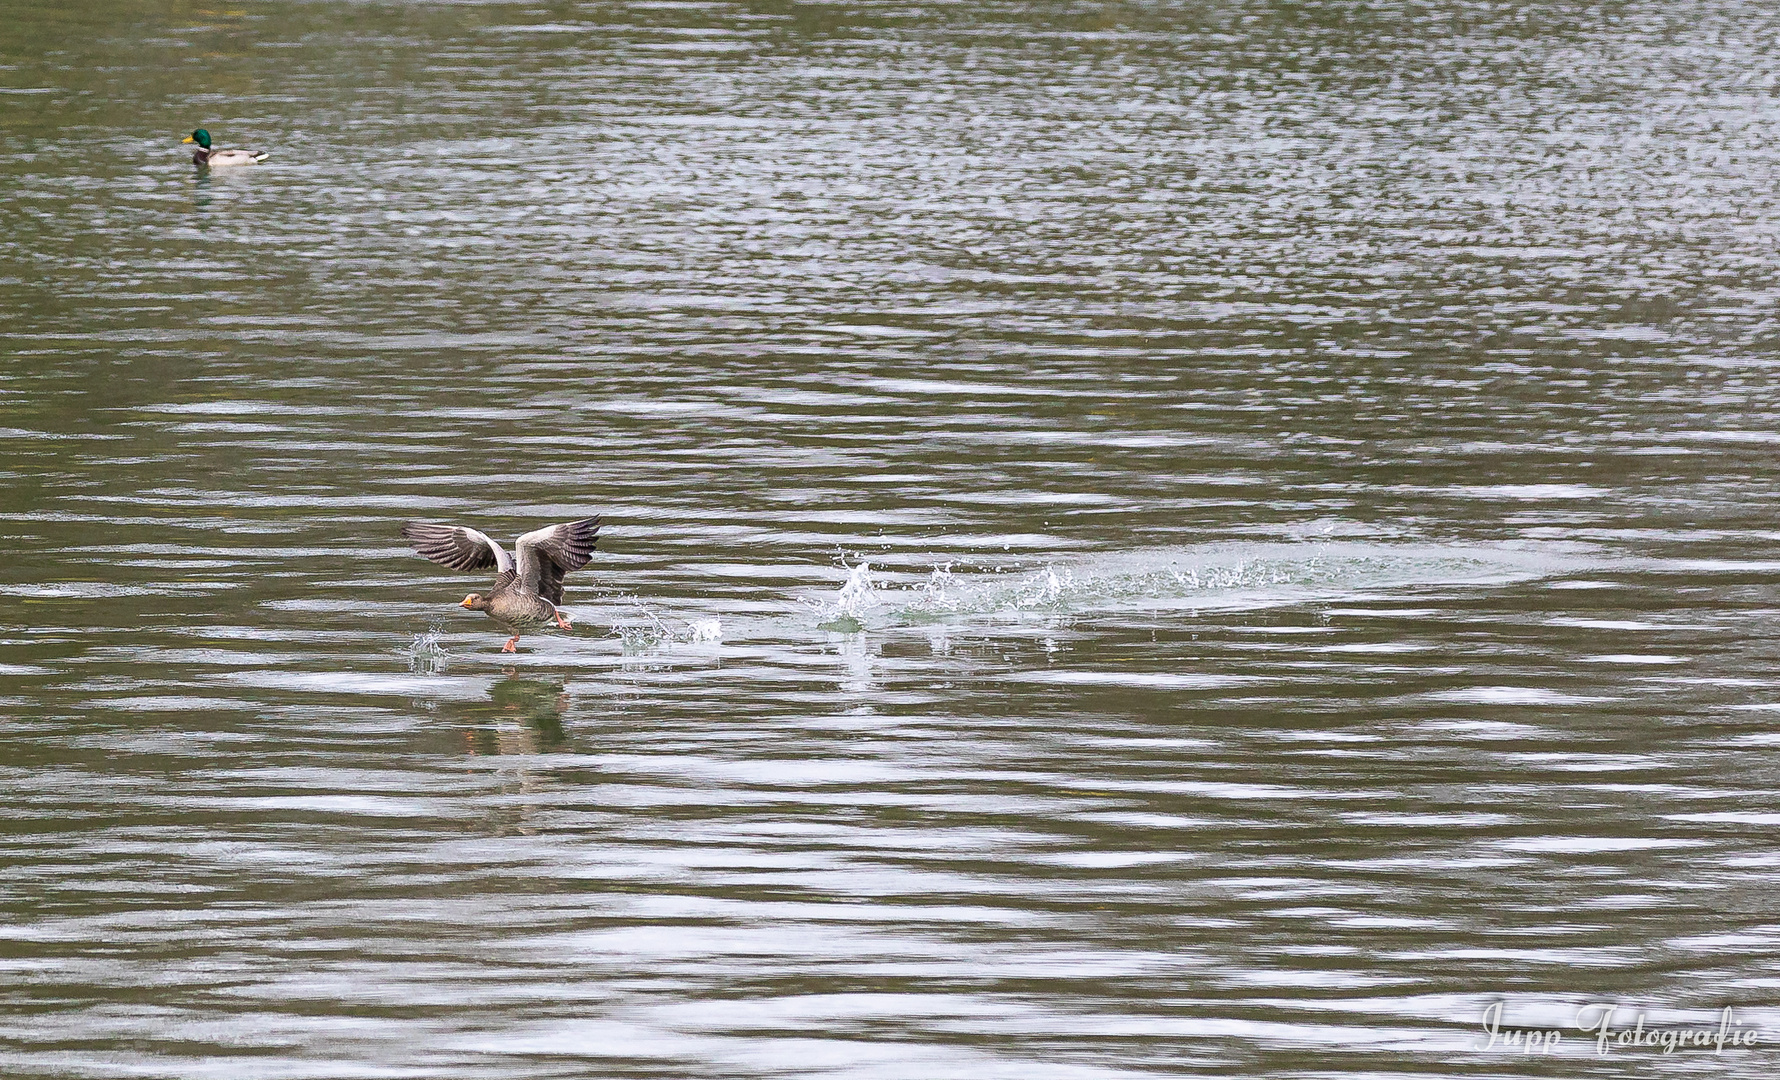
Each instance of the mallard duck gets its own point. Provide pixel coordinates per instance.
(204, 155)
(525, 594)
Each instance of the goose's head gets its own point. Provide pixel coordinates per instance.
(474, 602)
(200, 136)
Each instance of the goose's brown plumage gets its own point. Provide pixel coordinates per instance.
(527, 590)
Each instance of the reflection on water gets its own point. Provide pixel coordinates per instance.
(1139, 541)
(524, 716)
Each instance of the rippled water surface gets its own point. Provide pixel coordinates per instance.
(1140, 540)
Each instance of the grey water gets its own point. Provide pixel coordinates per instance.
(1140, 539)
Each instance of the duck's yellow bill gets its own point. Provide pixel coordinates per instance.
(188, 138)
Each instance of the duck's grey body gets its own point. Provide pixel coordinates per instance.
(527, 591)
(223, 158)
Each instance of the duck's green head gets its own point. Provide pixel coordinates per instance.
(200, 136)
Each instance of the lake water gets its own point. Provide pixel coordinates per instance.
(1140, 540)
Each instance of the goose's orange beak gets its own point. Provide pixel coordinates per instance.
(466, 603)
(188, 138)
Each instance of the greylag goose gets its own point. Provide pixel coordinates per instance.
(526, 591)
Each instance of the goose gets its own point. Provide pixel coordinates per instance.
(204, 155)
(526, 591)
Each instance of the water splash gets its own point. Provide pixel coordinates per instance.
(1161, 579)
(642, 630)
(936, 591)
(426, 654)
(1046, 589)
(845, 613)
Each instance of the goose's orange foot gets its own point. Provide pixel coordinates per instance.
(511, 642)
(562, 622)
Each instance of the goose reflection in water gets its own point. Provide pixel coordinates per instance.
(522, 716)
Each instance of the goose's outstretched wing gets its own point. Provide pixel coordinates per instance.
(457, 547)
(547, 554)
